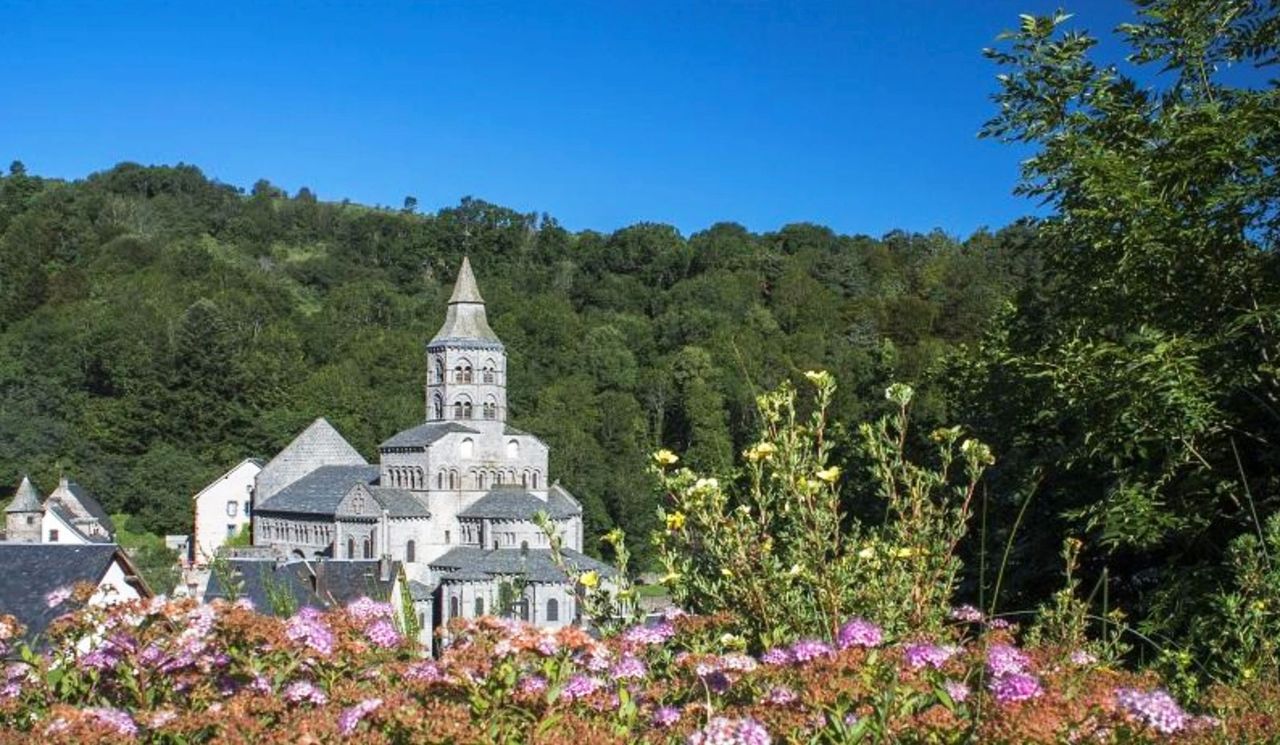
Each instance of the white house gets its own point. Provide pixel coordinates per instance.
(223, 508)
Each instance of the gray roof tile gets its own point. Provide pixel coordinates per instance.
(465, 319)
(400, 502)
(319, 492)
(477, 564)
(318, 445)
(513, 503)
(424, 434)
(313, 584)
(25, 499)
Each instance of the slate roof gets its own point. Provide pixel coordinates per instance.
(77, 524)
(514, 503)
(421, 591)
(80, 503)
(318, 445)
(424, 434)
(312, 584)
(319, 492)
(33, 570)
(400, 502)
(472, 564)
(25, 499)
(465, 319)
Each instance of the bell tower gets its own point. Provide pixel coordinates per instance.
(466, 362)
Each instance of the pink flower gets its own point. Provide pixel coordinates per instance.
(956, 690)
(919, 655)
(350, 718)
(114, 719)
(1156, 709)
(302, 691)
(723, 731)
(859, 632)
(364, 610)
(57, 597)
(1005, 658)
(1014, 687)
(383, 634)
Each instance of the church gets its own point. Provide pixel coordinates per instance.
(452, 499)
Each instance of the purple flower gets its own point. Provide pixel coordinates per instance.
(302, 691)
(580, 686)
(532, 685)
(722, 731)
(777, 656)
(350, 718)
(965, 614)
(809, 649)
(919, 655)
(717, 682)
(547, 645)
(383, 634)
(364, 610)
(260, 684)
(57, 597)
(629, 668)
(423, 672)
(665, 716)
(859, 632)
(102, 658)
(1156, 709)
(956, 690)
(1005, 658)
(1012, 687)
(308, 627)
(780, 696)
(999, 623)
(115, 719)
(649, 635)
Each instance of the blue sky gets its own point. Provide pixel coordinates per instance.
(858, 115)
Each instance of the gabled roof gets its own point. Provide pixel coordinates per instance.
(400, 502)
(25, 499)
(465, 319)
(514, 503)
(313, 584)
(562, 501)
(75, 525)
(33, 570)
(318, 445)
(255, 462)
(425, 434)
(320, 492)
(470, 564)
(80, 503)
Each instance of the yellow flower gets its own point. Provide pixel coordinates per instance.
(665, 457)
(589, 579)
(669, 577)
(726, 573)
(905, 553)
(675, 521)
(761, 451)
(795, 569)
(867, 552)
(829, 475)
(818, 377)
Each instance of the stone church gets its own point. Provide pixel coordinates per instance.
(453, 498)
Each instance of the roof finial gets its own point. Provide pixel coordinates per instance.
(465, 289)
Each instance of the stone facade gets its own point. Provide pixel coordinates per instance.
(452, 498)
(68, 515)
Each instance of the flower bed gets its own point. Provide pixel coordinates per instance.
(172, 671)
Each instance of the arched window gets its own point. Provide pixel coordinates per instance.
(490, 410)
(453, 479)
(454, 609)
(420, 476)
(524, 479)
(479, 607)
(410, 552)
(440, 480)
(368, 549)
(467, 448)
(457, 409)
(351, 548)
(489, 369)
(553, 609)
(466, 409)
(535, 479)
(437, 407)
(439, 370)
(513, 449)
(457, 373)
(466, 374)
(480, 480)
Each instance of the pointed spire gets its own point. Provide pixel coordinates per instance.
(465, 289)
(465, 319)
(25, 499)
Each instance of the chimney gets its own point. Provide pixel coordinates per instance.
(384, 568)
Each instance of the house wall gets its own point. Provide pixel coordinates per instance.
(214, 522)
(113, 588)
(51, 525)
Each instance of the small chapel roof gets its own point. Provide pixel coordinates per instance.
(424, 434)
(470, 564)
(514, 503)
(320, 492)
(465, 320)
(25, 499)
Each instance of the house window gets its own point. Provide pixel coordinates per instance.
(438, 407)
(457, 410)
(454, 607)
(439, 371)
(513, 449)
(368, 549)
(231, 509)
(31, 519)
(467, 448)
(535, 479)
(479, 607)
(53, 535)
(351, 548)
(466, 409)
(231, 531)
(247, 507)
(410, 552)
(553, 609)
(490, 410)
(446, 536)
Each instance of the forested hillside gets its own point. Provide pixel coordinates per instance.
(157, 326)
